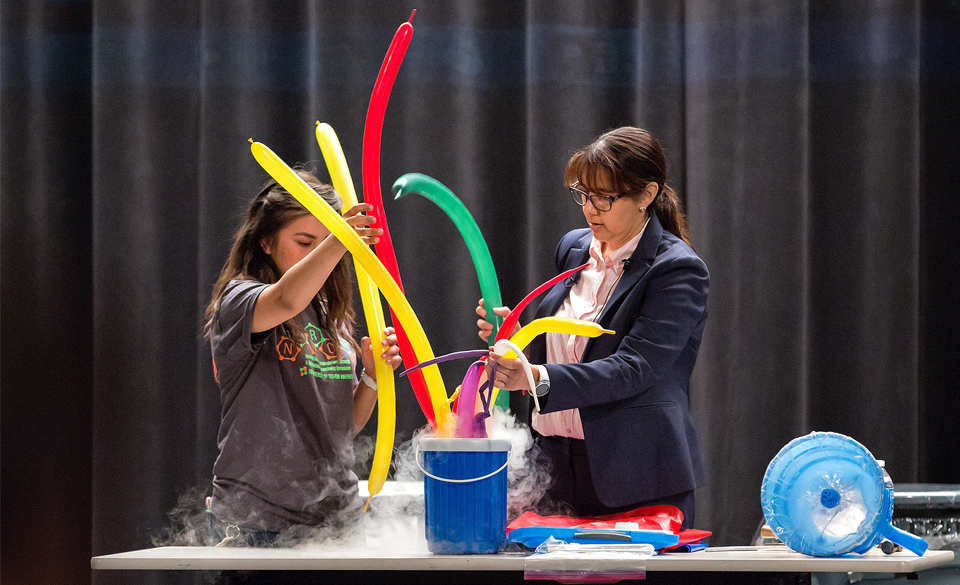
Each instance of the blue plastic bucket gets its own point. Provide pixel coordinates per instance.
(465, 494)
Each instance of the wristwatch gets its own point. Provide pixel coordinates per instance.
(543, 386)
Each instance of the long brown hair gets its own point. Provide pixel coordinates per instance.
(270, 211)
(629, 158)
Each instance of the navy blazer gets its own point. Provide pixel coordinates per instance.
(632, 387)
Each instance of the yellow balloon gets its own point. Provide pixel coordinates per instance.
(373, 311)
(341, 230)
(537, 327)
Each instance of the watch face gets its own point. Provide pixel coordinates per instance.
(542, 388)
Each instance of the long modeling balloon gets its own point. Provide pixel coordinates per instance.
(510, 349)
(511, 321)
(467, 405)
(536, 327)
(470, 353)
(445, 199)
(372, 133)
(373, 311)
(556, 325)
(309, 198)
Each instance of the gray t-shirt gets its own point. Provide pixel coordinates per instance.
(286, 428)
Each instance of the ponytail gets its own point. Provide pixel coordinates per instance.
(667, 207)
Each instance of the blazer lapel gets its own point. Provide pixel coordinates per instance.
(640, 262)
(579, 253)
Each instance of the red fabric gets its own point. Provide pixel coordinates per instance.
(690, 536)
(668, 518)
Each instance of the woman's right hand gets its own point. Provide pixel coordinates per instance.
(361, 223)
(486, 328)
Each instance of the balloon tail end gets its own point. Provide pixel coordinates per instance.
(367, 505)
(454, 396)
(251, 140)
(412, 14)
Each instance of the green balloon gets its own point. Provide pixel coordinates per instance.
(457, 211)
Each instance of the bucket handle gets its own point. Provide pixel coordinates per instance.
(448, 480)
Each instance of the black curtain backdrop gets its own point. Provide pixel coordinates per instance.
(815, 145)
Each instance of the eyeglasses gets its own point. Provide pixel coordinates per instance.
(599, 202)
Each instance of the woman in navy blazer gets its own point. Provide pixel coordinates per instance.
(630, 389)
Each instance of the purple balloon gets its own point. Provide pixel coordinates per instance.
(466, 402)
(471, 353)
(480, 425)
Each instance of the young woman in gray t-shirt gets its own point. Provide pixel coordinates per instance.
(280, 325)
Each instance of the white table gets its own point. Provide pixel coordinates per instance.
(764, 564)
(319, 558)
(395, 552)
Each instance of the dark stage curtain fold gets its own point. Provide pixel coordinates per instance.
(814, 145)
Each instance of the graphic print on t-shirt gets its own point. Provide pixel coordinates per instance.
(326, 346)
(287, 349)
(319, 353)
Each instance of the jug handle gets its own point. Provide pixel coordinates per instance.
(908, 541)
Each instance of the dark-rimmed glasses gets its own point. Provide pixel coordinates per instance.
(599, 202)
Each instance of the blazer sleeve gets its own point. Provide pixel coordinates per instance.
(663, 315)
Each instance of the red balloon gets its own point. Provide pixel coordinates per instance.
(506, 330)
(372, 132)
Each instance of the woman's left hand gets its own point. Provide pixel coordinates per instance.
(510, 374)
(390, 353)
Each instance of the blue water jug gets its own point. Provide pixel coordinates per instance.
(825, 495)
